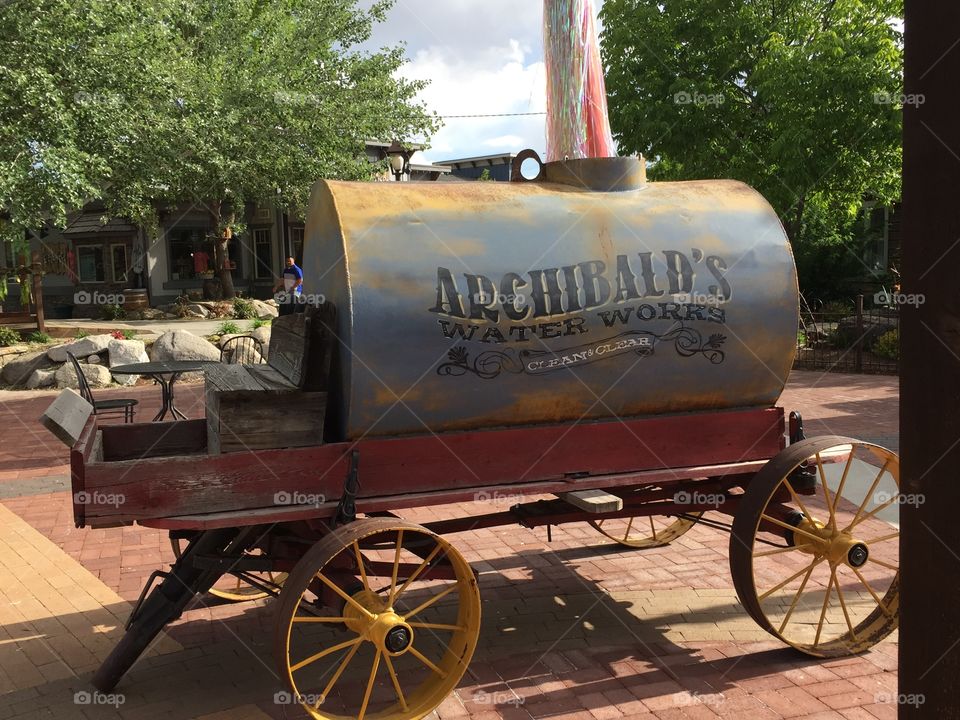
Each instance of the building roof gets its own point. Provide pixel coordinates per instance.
(88, 223)
(480, 161)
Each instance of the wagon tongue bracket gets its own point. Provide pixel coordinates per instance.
(347, 507)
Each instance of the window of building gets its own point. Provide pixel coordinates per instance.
(90, 263)
(263, 253)
(119, 266)
(191, 253)
(296, 244)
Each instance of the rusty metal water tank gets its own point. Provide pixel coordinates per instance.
(588, 294)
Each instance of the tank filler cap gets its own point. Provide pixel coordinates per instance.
(613, 174)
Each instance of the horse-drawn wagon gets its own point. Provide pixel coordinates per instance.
(608, 351)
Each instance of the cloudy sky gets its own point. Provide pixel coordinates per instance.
(481, 57)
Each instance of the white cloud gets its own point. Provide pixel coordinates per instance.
(481, 57)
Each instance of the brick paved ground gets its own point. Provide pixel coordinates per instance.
(573, 628)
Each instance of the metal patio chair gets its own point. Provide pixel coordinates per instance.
(243, 350)
(103, 408)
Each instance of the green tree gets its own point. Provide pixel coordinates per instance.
(215, 102)
(798, 98)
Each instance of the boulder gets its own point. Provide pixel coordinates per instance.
(97, 376)
(126, 352)
(265, 310)
(90, 345)
(19, 370)
(183, 345)
(198, 310)
(94, 360)
(41, 379)
(262, 334)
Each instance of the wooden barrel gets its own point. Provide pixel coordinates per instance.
(135, 300)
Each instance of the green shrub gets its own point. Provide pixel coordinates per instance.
(82, 334)
(38, 337)
(125, 334)
(888, 345)
(258, 323)
(9, 336)
(243, 309)
(228, 328)
(113, 312)
(839, 308)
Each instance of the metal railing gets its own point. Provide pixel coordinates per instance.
(859, 340)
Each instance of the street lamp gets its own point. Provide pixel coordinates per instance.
(399, 158)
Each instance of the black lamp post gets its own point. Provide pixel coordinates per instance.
(399, 158)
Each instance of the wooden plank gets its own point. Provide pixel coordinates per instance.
(289, 344)
(442, 463)
(66, 416)
(594, 501)
(254, 420)
(226, 377)
(143, 440)
(288, 513)
(80, 454)
(269, 378)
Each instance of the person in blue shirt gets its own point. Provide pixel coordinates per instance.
(292, 282)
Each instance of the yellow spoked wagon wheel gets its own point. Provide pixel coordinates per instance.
(813, 549)
(233, 588)
(645, 532)
(379, 619)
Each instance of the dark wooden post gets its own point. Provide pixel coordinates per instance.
(930, 367)
(858, 354)
(36, 277)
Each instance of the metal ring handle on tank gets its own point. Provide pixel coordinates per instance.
(516, 174)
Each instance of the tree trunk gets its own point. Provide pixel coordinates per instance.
(221, 253)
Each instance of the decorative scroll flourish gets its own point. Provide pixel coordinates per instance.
(489, 364)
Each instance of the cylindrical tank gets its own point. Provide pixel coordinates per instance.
(589, 294)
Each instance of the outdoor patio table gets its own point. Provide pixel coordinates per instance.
(165, 373)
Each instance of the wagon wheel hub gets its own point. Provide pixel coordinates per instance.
(383, 627)
(837, 546)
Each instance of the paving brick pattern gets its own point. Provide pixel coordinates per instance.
(575, 628)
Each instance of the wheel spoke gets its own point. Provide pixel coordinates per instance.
(416, 573)
(373, 677)
(870, 514)
(788, 526)
(882, 538)
(823, 610)
(396, 568)
(430, 602)
(437, 626)
(797, 500)
(313, 619)
(333, 586)
(426, 661)
(843, 606)
(361, 565)
(866, 497)
(396, 682)
(843, 481)
(336, 676)
(876, 597)
(796, 598)
(324, 653)
(883, 563)
(832, 521)
(778, 551)
(768, 593)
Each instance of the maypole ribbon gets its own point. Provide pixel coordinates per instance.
(577, 122)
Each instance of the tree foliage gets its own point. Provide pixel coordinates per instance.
(214, 102)
(798, 98)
